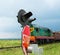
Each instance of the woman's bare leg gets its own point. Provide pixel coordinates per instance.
(25, 51)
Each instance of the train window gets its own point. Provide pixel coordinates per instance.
(48, 30)
(37, 29)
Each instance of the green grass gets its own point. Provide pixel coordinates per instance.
(49, 49)
(52, 49)
(10, 51)
(5, 43)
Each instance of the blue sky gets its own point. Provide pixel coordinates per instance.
(47, 13)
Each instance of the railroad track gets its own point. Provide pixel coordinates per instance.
(21, 46)
(10, 47)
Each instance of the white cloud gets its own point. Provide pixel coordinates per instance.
(52, 3)
(6, 2)
(7, 22)
(11, 7)
(56, 20)
(5, 35)
(9, 28)
(43, 8)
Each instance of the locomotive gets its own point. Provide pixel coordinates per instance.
(39, 34)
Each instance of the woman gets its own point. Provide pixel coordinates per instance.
(25, 39)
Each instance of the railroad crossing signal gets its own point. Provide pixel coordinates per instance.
(24, 18)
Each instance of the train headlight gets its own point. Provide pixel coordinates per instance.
(31, 29)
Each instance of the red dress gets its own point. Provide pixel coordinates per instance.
(26, 36)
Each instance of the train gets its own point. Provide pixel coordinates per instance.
(40, 35)
(43, 35)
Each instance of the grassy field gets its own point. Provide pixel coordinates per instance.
(49, 49)
(52, 49)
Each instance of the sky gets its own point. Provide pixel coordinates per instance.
(46, 12)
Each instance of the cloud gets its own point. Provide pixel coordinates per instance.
(14, 35)
(9, 24)
(47, 20)
(9, 28)
(6, 2)
(11, 7)
(7, 21)
(47, 13)
(53, 23)
(51, 3)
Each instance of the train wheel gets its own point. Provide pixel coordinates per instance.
(51, 40)
(47, 40)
